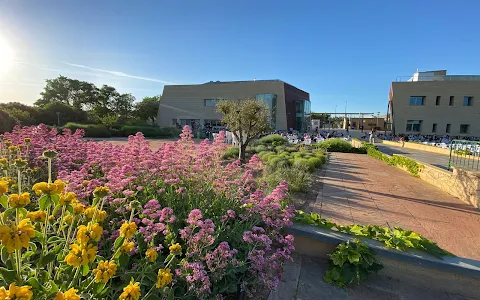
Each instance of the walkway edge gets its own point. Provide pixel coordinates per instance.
(450, 264)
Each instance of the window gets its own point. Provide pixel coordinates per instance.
(212, 122)
(434, 127)
(437, 102)
(467, 101)
(452, 99)
(414, 125)
(464, 128)
(417, 100)
(271, 102)
(447, 130)
(211, 102)
(174, 122)
(193, 123)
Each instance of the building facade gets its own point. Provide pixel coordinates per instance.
(434, 103)
(194, 105)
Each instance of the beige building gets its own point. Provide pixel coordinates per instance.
(434, 103)
(194, 105)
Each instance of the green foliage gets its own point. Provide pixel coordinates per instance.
(147, 109)
(399, 238)
(339, 145)
(91, 130)
(351, 263)
(412, 166)
(151, 131)
(463, 152)
(6, 122)
(298, 178)
(276, 139)
(246, 119)
(231, 153)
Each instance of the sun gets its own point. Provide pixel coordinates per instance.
(6, 56)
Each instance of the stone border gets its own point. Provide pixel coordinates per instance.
(452, 274)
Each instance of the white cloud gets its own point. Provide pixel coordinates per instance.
(119, 74)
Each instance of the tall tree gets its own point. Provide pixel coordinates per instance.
(79, 94)
(246, 119)
(147, 109)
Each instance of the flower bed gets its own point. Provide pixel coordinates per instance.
(126, 222)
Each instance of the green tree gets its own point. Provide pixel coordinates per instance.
(147, 109)
(57, 113)
(76, 93)
(246, 119)
(24, 114)
(6, 122)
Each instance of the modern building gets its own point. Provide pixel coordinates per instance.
(194, 104)
(367, 123)
(434, 103)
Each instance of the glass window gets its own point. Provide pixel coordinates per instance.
(212, 122)
(464, 128)
(193, 123)
(437, 102)
(452, 99)
(414, 125)
(434, 127)
(467, 101)
(174, 122)
(271, 102)
(447, 129)
(417, 100)
(211, 102)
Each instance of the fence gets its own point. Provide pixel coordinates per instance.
(464, 154)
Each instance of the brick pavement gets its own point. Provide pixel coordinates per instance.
(360, 189)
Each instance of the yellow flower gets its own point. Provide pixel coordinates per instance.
(164, 278)
(128, 229)
(104, 271)
(131, 292)
(17, 237)
(16, 292)
(16, 200)
(92, 232)
(4, 162)
(78, 207)
(151, 255)
(71, 294)
(81, 255)
(20, 163)
(37, 216)
(67, 198)
(127, 247)
(175, 249)
(49, 188)
(100, 215)
(27, 140)
(101, 191)
(12, 149)
(68, 219)
(3, 187)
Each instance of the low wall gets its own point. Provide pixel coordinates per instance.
(418, 146)
(454, 275)
(463, 184)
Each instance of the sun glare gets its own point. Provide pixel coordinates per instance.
(6, 56)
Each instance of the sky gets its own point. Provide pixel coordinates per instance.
(344, 53)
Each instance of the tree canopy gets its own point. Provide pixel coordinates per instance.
(246, 119)
(147, 109)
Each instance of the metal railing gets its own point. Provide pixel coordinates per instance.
(464, 154)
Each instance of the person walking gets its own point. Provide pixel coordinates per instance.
(371, 139)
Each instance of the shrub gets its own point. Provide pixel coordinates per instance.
(260, 148)
(230, 153)
(298, 178)
(151, 131)
(339, 145)
(265, 154)
(6, 122)
(91, 130)
(272, 139)
(315, 161)
(304, 163)
(280, 149)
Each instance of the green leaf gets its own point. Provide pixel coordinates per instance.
(4, 201)
(123, 260)
(33, 245)
(40, 236)
(171, 294)
(23, 211)
(54, 287)
(55, 198)
(7, 213)
(85, 270)
(348, 274)
(118, 242)
(43, 202)
(55, 239)
(9, 276)
(27, 254)
(44, 260)
(353, 257)
(33, 282)
(4, 254)
(70, 209)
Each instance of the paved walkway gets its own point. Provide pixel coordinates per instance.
(434, 159)
(360, 189)
(302, 280)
